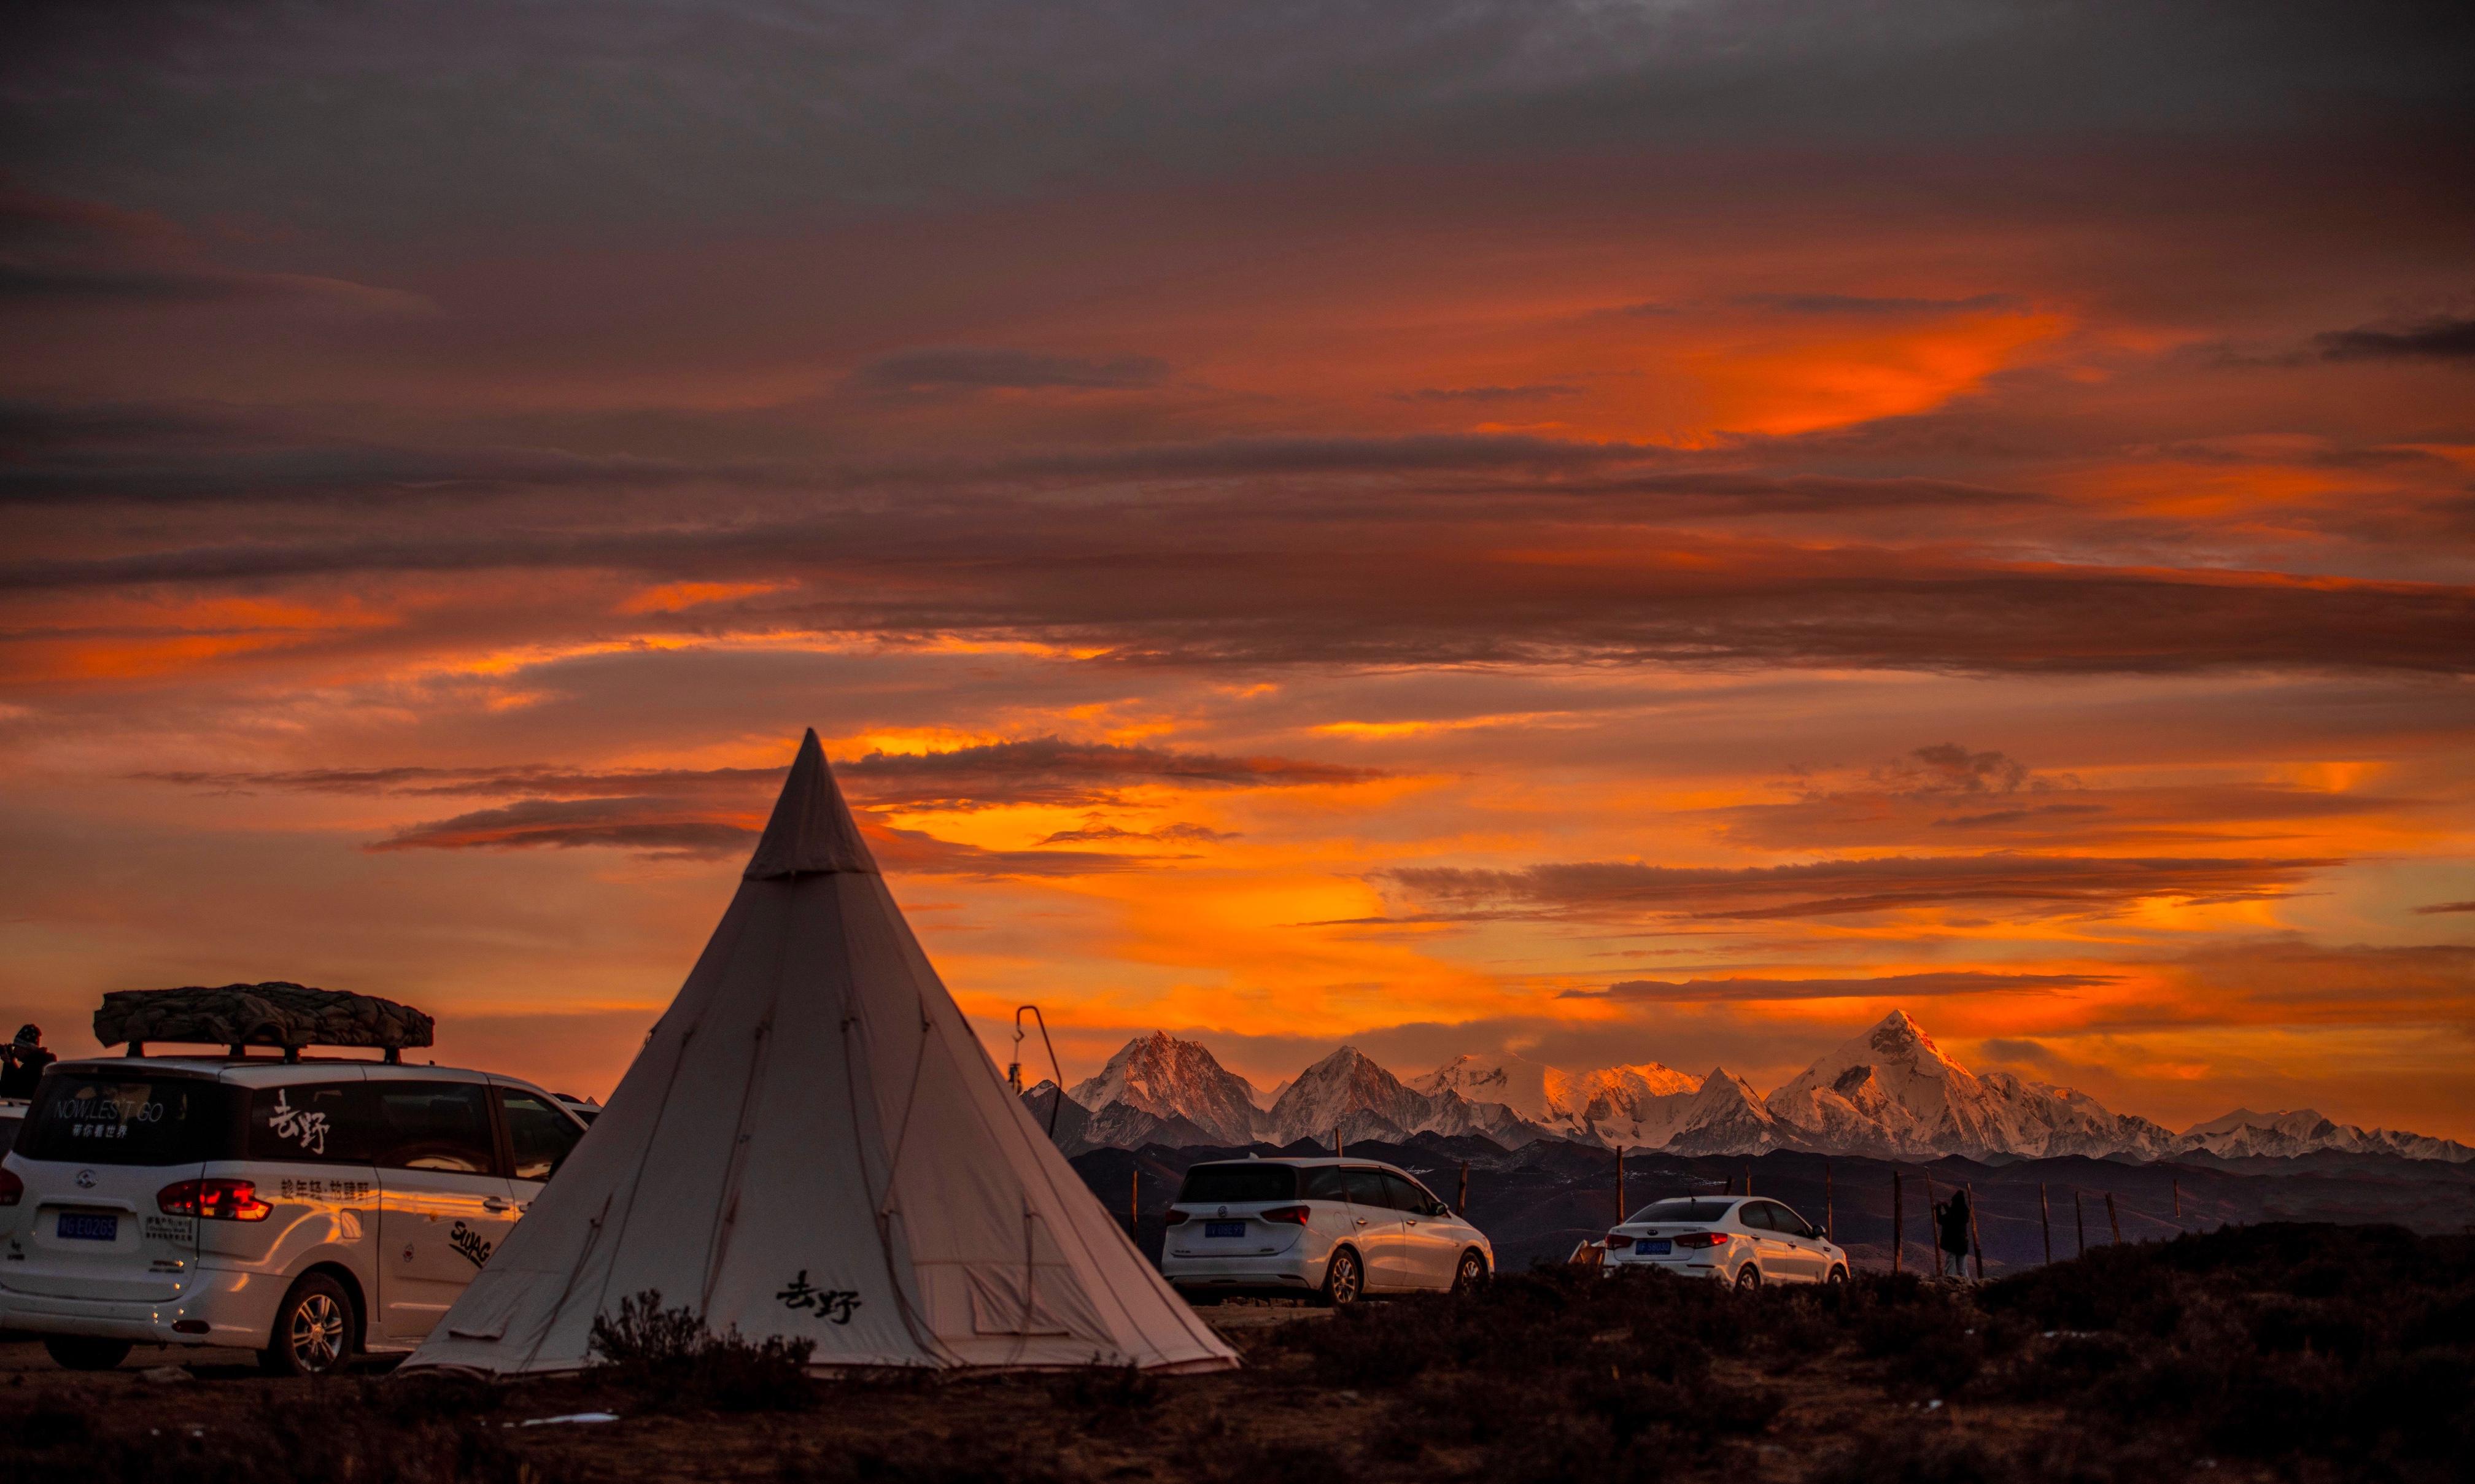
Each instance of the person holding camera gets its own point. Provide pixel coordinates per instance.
(22, 1062)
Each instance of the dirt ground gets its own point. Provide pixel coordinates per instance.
(1027, 1425)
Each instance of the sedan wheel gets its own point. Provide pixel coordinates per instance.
(1471, 1273)
(313, 1331)
(1342, 1282)
(1749, 1278)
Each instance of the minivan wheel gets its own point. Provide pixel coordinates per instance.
(313, 1331)
(1471, 1273)
(85, 1352)
(1749, 1278)
(1343, 1281)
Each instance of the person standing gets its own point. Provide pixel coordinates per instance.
(1953, 1214)
(22, 1062)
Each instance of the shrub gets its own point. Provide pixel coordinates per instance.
(672, 1363)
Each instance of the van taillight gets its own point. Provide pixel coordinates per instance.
(1699, 1238)
(215, 1199)
(1294, 1215)
(12, 1189)
(1173, 1217)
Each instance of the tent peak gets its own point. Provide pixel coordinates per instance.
(812, 830)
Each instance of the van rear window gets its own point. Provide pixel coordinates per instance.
(118, 1119)
(1214, 1185)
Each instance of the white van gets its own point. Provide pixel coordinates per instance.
(1329, 1228)
(307, 1211)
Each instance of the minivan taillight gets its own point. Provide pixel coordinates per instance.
(1699, 1238)
(215, 1199)
(12, 1189)
(1173, 1217)
(1294, 1215)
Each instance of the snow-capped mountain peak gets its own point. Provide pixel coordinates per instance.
(1168, 1079)
(1891, 1089)
(1887, 1090)
(2246, 1134)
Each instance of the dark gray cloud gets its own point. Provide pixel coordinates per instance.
(1232, 584)
(2438, 907)
(1901, 986)
(2002, 883)
(1860, 305)
(27, 284)
(1032, 771)
(2437, 339)
(652, 826)
(964, 369)
(1052, 770)
(690, 829)
(572, 117)
(1483, 396)
(1166, 834)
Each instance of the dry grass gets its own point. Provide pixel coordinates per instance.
(2306, 1354)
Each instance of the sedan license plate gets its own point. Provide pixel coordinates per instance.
(1659, 1249)
(1224, 1228)
(78, 1227)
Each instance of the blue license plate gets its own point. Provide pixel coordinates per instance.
(78, 1227)
(1224, 1228)
(1659, 1249)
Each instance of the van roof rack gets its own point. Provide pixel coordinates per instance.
(276, 1013)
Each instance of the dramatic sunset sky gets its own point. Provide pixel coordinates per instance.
(1622, 531)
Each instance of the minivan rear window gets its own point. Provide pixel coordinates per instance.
(1211, 1184)
(116, 1118)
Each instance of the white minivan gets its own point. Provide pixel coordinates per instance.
(307, 1211)
(1332, 1229)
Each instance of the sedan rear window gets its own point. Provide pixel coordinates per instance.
(114, 1118)
(1682, 1208)
(1212, 1184)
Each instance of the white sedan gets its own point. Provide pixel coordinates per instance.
(1743, 1240)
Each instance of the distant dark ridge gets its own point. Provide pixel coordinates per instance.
(1535, 1202)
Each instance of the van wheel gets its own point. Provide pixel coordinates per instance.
(1749, 1278)
(1471, 1274)
(1838, 1277)
(1343, 1279)
(313, 1331)
(86, 1352)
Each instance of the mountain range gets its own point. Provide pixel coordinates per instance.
(1888, 1092)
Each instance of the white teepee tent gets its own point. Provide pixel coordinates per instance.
(812, 1144)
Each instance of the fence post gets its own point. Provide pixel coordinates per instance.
(1133, 1199)
(1899, 1222)
(2045, 1222)
(2178, 1200)
(2079, 1219)
(1461, 1208)
(1336, 1142)
(1749, 1180)
(1829, 1216)
(1974, 1246)
(1620, 1202)
(2112, 1220)
(1933, 1233)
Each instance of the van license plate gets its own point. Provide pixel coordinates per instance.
(1224, 1228)
(1649, 1248)
(76, 1226)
